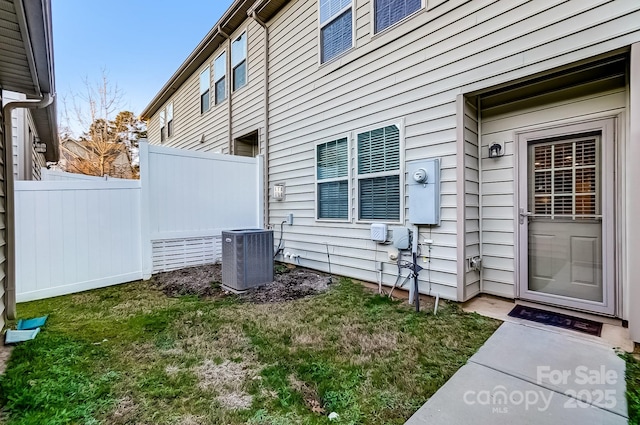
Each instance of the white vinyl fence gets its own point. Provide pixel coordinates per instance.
(76, 235)
(73, 235)
(192, 198)
(55, 175)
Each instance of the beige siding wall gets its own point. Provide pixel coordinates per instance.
(39, 162)
(472, 197)
(247, 103)
(414, 72)
(2, 222)
(498, 193)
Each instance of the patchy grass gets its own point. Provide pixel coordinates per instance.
(633, 387)
(129, 354)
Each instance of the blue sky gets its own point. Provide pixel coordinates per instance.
(140, 43)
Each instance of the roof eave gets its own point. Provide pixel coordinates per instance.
(230, 21)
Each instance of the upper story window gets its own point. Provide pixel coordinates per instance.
(170, 120)
(163, 126)
(205, 85)
(336, 28)
(239, 61)
(220, 78)
(388, 12)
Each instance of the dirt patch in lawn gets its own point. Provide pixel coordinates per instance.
(5, 353)
(291, 283)
(202, 281)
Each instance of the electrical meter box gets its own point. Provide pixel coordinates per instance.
(423, 179)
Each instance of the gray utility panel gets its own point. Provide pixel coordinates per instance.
(247, 258)
(423, 178)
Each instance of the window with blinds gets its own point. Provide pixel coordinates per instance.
(170, 120)
(239, 61)
(163, 126)
(220, 78)
(332, 174)
(205, 85)
(565, 181)
(336, 28)
(389, 12)
(378, 168)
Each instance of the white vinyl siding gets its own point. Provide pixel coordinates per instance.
(332, 165)
(390, 12)
(379, 174)
(415, 71)
(472, 197)
(336, 28)
(205, 88)
(239, 61)
(220, 78)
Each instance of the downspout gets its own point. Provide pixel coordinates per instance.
(266, 115)
(10, 251)
(230, 83)
(480, 202)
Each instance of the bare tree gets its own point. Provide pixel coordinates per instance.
(108, 143)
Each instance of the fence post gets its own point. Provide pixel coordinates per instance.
(145, 210)
(260, 183)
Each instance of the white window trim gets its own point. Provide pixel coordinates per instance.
(208, 67)
(246, 59)
(374, 33)
(401, 171)
(348, 178)
(333, 18)
(215, 80)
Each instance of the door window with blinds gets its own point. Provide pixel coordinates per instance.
(390, 12)
(378, 174)
(332, 174)
(336, 28)
(566, 180)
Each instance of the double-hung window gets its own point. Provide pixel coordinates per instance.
(389, 12)
(205, 85)
(163, 126)
(220, 77)
(378, 174)
(336, 28)
(332, 175)
(239, 61)
(170, 120)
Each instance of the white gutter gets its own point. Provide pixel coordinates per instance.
(10, 292)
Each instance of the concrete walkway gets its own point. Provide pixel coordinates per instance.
(527, 375)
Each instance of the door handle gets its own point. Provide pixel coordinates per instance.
(524, 214)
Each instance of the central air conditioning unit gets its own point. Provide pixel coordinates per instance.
(247, 258)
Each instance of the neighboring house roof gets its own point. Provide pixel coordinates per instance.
(232, 19)
(26, 61)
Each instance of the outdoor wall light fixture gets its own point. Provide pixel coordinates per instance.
(278, 192)
(496, 150)
(39, 147)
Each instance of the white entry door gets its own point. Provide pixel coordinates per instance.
(565, 216)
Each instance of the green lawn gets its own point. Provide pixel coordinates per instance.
(633, 387)
(131, 355)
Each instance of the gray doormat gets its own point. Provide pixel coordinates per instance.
(557, 319)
